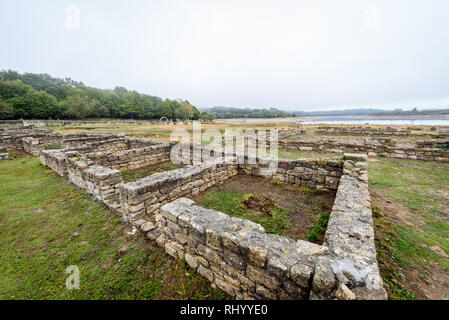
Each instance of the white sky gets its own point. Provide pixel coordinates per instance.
(293, 55)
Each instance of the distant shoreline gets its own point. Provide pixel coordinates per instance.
(298, 120)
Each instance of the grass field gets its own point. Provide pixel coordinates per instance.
(411, 214)
(46, 225)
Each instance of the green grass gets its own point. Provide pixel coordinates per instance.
(134, 175)
(53, 147)
(307, 190)
(422, 188)
(294, 154)
(230, 202)
(319, 228)
(46, 225)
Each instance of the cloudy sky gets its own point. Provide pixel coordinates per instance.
(294, 55)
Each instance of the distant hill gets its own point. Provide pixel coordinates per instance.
(347, 112)
(229, 113)
(415, 111)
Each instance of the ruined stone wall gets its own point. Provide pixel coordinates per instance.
(239, 257)
(372, 148)
(314, 173)
(131, 159)
(102, 183)
(291, 132)
(432, 143)
(34, 146)
(351, 270)
(235, 254)
(53, 123)
(95, 143)
(11, 139)
(56, 160)
(147, 195)
(3, 153)
(364, 131)
(11, 123)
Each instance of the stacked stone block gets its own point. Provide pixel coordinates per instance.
(236, 254)
(145, 196)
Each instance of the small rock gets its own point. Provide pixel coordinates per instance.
(344, 293)
(147, 226)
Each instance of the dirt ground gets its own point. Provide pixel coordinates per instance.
(431, 282)
(303, 209)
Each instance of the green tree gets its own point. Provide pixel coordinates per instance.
(6, 111)
(75, 106)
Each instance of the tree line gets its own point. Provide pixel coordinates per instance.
(227, 113)
(414, 111)
(41, 96)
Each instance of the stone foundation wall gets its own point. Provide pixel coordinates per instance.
(11, 139)
(432, 144)
(372, 148)
(102, 183)
(314, 173)
(35, 145)
(3, 153)
(236, 254)
(90, 144)
(240, 258)
(52, 123)
(363, 131)
(56, 160)
(145, 196)
(131, 159)
(351, 270)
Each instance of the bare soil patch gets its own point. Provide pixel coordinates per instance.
(431, 282)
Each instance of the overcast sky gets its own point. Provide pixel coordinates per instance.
(293, 55)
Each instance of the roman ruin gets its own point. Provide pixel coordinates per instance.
(237, 255)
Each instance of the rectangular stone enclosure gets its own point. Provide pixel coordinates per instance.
(235, 254)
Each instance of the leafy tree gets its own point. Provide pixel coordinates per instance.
(42, 96)
(205, 116)
(75, 106)
(6, 110)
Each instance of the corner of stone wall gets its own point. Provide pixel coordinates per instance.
(235, 254)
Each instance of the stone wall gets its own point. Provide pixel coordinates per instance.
(3, 153)
(131, 159)
(53, 123)
(239, 257)
(314, 173)
(11, 123)
(351, 270)
(56, 160)
(144, 197)
(372, 147)
(102, 183)
(11, 139)
(236, 254)
(372, 131)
